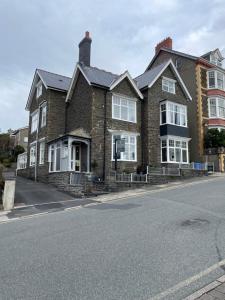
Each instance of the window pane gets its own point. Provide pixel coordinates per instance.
(164, 154)
(178, 154)
(211, 75)
(184, 155)
(116, 111)
(163, 117)
(58, 157)
(171, 154)
(171, 143)
(220, 80)
(164, 143)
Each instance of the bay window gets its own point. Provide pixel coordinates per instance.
(215, 80)
(173, 113)
(217, 107)
(130, 153)
(168, 85)
(174, 150)
(123, 108)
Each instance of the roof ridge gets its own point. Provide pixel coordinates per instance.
(53, 73)
(91, 67)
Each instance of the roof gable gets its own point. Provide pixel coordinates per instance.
(98, 77)
(148, 78)
(50, 81)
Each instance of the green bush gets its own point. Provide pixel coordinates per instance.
(6, 162)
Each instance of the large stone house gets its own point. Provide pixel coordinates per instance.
(204, 78)
(76, 122)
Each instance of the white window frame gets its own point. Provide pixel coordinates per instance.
(124, 135)
(54, 147)
(33, 154)
(175, 139)
(34, 128)
(168, 112)
(41, 151)
(216, 73)
(43, 119)
(168, 82)
(214, 59)
(129, 100)
(39, 88)
(218, 115)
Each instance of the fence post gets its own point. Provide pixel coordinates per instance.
(131, 177)
(146, 179)
(164, 170)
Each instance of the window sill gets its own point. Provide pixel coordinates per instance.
(174, 162)
(174, 125)
(135, 122)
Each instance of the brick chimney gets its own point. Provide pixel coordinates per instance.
(85, 49)
(166, 43)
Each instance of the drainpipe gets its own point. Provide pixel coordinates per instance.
(104, 156)
(36, 152)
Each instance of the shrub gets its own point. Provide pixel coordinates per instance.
(6, 162)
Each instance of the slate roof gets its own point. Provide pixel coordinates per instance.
(148, 77)
(55, 81)
(98, 76)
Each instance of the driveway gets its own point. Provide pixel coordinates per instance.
(35, 197)
(164, 244)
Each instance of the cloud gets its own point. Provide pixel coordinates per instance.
(45, 34)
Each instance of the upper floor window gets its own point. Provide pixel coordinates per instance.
(217, 108)
(39, 89)
(173, 113)
(34, 122)
(43, 115)
(214, 59)
(215, 80)
(168, 85)
(124, 109)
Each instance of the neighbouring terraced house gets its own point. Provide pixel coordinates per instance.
(75, 122)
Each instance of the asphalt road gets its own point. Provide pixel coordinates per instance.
(144, 247)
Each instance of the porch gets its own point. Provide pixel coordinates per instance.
(69, 154)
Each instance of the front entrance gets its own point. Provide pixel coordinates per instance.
(76, 158)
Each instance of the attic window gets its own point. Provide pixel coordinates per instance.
(39, 89)
(214, 59)
(168, 85)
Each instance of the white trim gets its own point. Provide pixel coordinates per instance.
(167, 113)
(112, 147)
(123, 132)
(175, 138)
(170, 62)
(129, 100)
(121, 78)
(169, 79)
(33, 87)
(74, 79)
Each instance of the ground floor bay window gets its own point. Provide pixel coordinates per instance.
(174, 150)
(69, 154)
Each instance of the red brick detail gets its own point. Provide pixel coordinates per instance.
(216, 122)
(215, 92)
(166, 43)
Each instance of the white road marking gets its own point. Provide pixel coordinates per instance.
(188, 281)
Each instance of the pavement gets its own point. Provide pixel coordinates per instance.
(160, 244)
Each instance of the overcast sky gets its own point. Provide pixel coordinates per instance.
(45, 34)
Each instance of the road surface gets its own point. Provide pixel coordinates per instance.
(161, 245)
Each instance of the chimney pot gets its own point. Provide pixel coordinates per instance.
(87, 34)
(166, 43)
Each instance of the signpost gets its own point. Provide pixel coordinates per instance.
(118, 148)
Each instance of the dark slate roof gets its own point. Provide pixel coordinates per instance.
(174, 52)
(55, 81)
(147, 77)
(98, 76)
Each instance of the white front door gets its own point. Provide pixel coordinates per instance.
(76, 158)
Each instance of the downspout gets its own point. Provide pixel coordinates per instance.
(104, 141)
